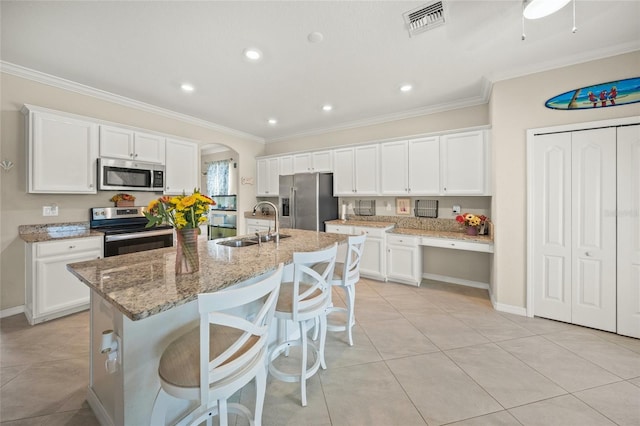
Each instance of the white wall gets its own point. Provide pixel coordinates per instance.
(19, 208)
(517, 105)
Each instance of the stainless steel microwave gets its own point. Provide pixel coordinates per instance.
(120, 175)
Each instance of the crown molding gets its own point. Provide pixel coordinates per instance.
(61, 83)
(482, 99)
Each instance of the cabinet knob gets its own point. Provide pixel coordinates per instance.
(72, 247)
(587, 254)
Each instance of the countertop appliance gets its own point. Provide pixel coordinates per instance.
(306, 201)
(125, 232)
(118, 175)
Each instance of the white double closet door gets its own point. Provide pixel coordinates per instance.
(585, 248)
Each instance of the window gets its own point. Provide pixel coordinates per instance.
(218, 178)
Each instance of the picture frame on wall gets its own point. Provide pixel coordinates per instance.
(403, 206)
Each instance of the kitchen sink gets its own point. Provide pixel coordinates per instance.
(265, 238)
(237, 243)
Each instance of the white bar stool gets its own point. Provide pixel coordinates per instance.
(345, 276)
(306, 298)
(227, 351)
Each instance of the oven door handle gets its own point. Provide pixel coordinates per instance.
(135, 235)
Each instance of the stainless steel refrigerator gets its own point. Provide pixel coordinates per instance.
(306, 201)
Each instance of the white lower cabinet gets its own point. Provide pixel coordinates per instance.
(404, 259)
(52, 291)
(260, 225)
(372, 264)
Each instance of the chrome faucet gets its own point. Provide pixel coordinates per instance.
(275, 209)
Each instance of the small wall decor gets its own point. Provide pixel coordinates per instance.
(612, 93)
(403, 206)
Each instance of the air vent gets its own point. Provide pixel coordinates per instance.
(424, 18)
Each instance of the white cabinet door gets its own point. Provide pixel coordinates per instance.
(116, 142)
(366, 168)
(629, 231)
(424, 166)
(463, 163)
(551, 223)
(593, 194)
(403, 259)
(322, 161)
(394, 168)
(268, 174)
(126, 144)
(149, 148)
(182, 168)
(574, 237)
(373, 258)
(52, 291)
(343, 173)
(286, 165)
(302, 163)
(62, 154)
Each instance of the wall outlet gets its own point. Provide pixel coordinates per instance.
(50, 210)
(456, 209)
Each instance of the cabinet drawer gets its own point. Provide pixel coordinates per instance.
(72, 245)
(339, 229)
(457, 244)
(402, 240)
(260, 222)
(371, 232)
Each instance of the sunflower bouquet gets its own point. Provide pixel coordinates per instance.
(181, 212)
(471, 222)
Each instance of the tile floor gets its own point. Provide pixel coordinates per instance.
(437, 354)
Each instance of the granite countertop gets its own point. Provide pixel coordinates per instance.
(367, 223)
(432, 232)
(442, 234)
(144, 283)
(260, 215)
(56, 231)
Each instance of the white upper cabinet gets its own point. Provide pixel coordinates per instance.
(464, 163)
(286, 165)
(356, 170)
(116, 142)
(310, 162)
(62, 153)
(268, 176)
(182, 167)
(424, 166)
(410, 167)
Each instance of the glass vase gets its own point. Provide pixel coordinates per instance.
(187, 260)
(472, 230)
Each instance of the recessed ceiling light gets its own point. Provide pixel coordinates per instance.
(315, 37)
(187, 87)
(273, 121)
(327, 107)
(406, 88)
(252, 54)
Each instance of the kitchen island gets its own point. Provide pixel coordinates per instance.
(139, 296)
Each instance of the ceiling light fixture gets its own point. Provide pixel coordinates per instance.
(252, 54)
(272, 121)
(536, 9)
(187, 87)
(406, 88)
(315, 37)
(327, 107)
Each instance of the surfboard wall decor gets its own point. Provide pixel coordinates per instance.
(612, 93)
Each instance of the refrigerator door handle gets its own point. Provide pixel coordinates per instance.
(292, 206)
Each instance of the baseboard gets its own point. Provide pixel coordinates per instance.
(509, 309)
(98, 408)
(454, 280)
(12, 311)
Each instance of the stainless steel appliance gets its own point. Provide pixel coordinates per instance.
(306, 201)
(125, 232)
(120, 175)
(222, 217)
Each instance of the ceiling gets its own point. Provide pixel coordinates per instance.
(145, 50)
